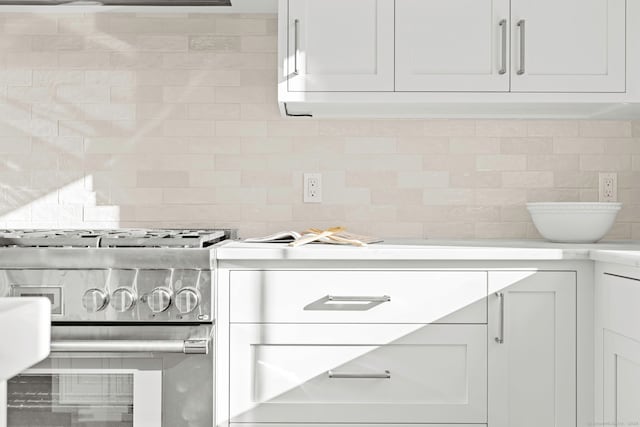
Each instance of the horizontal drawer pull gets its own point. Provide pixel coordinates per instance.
(385, 376)
(384, 298)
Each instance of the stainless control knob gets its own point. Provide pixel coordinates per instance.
(123, 299)
(187, 299)
(95, 300)
(159, 300)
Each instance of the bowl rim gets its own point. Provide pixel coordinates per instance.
(568, 206)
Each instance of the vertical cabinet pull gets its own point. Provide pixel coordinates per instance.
(503, 46)
(500, 337)
(296, 35)
(521, 66)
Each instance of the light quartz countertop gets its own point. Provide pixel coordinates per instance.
(623, 252)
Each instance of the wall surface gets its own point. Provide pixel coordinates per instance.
(138, 120)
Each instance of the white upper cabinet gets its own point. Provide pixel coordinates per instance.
(452, 45)
(338, 45)
(568, 46)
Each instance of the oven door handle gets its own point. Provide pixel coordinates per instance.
(131, 346)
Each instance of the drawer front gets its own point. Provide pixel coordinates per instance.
(293, 373)
(365, 296)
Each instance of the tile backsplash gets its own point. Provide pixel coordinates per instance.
(137, 120)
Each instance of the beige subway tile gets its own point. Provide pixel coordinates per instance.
(241, 195)
(57, 77)
(501, 128)
(15, 43)
(214, 43)
(500, 196)
(136, 196)
(159, 24)
(527, 179)
(101, 213)
(453, 163)
(258, 77)
(571, 179)
(396, 196)
(500, 230)
(209, 145)
(189, 196)
(16, 77)
(162, 111)
(578, 145)
(400, 128)
(33, 24)
(162, 77)
(635, 128)
(622, 146)
(15, 111)
(162, 179)
(472, 145)
(514, 213)
(266, 178)
(553, 195)
(448, 196)
(213, 179)
(501, 162)
(449, 230)
(240, 128)
(283, 195)
(449, 128)
(44, 43)
(82, 94)
(237, 25)
(245, 95)
(605, 128)
(298, 128)
(267, 213)
(189, 94)
(14, 145)
(188, 128)
(162, 42)
(375, 162)
(214, 111)
(607, 162)
(369, 145)
(346, 128)
(555, 162)
(361, 214)
(529, 145)
(423, 179)
(589, 195)
(136, 94)
(109, 77)
(84, 60)
(465, 179)
(31, 95)
(259, 43)
(371, 179)
(124, 60)
(239, 162)
(619, 231)
(565, 128)
(268, 111)
(423, 145)
(270, 145)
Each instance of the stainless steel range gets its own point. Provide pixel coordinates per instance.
(132, 326)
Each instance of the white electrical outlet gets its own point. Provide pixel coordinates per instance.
(312, 188)
(608, 187)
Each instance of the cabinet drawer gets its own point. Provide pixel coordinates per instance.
(293, 373)
(365, 296)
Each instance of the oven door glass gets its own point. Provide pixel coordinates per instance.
(87, 392)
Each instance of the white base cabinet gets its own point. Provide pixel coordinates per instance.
(532, 349)
(361, 347)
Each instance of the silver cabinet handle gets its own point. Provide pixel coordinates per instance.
(521, 66)
(130, 346)
(385, 375)
(500, 338)
(296, 33)
(503, 46)
(384, 298)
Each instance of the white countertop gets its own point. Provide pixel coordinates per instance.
(627, 252)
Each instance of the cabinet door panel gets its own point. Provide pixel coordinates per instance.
(569, 46)
(621, 380)
(305, 373)
(536, 362)
(341, 45)
(453, 45)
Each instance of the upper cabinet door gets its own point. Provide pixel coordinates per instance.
(338, 45)
(568, 45)
(452, 45)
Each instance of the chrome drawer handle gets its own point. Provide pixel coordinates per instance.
(384, 298)
(503, 46)
(385, 376)
(296, 35)
(521, 68)
(131, 346)
(500, 338)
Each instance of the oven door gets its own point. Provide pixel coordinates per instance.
(106, 377)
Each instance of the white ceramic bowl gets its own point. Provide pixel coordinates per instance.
(573, 222)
